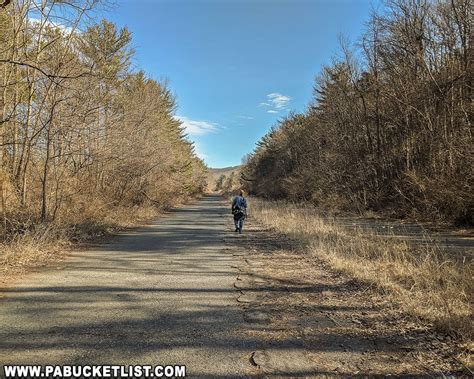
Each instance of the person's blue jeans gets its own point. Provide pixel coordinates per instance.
(239, 221)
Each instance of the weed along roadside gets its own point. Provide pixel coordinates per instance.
(418, 279)
(47, 245)
(425, 280)
(320, 283)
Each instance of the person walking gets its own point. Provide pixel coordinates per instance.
(239, 210)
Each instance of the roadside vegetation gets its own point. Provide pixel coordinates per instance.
(87, 144)
(389, 128)
(387, 132)
(424, 281)
(224, 180)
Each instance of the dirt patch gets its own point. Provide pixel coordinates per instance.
(314, 321)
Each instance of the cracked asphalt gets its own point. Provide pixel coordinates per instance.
(162, 294)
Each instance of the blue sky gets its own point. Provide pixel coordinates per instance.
(237, 66)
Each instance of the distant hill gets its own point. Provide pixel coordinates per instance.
(216, 173)
(224, 170)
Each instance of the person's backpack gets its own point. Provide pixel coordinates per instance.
(236, 208)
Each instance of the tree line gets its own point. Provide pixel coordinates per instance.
(226, 183)
(81, 132)
(389, 127)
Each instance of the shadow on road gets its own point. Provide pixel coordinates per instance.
(166, 294)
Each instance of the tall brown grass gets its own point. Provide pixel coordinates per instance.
(28, 245)
(425, 281)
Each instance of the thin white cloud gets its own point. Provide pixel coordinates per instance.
(37, 22)
(196, 127)
(278, 100)
(246, 117)
(275, 102)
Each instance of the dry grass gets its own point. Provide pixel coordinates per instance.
(31, 249)
(32, 245)
(422, 279)
(26, 243)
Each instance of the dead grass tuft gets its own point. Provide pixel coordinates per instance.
(426, 282)
(34, 248)
(31, 245)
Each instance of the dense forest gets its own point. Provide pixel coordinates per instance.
(389, 126)
(82, 134)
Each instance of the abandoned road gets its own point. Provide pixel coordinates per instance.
(187, 290)
(162, 294)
